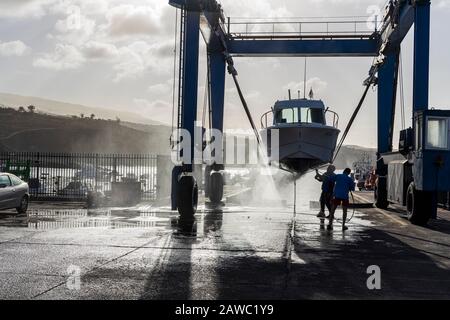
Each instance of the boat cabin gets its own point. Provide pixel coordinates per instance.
(298, 111)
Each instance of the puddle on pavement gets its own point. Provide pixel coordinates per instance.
(49, 219)
(113, 218)
(255, 226)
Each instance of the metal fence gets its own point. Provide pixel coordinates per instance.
(63, 176)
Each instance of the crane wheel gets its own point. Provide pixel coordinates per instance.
(187, 197)
(216, 187)
(418, 205)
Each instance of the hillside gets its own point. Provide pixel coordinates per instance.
(68, 109)
(351, 154)
(27, 131)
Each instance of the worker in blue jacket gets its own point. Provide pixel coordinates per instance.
(343, 186)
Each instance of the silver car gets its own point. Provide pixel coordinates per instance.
(14, 193)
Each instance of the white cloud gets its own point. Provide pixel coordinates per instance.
(263, 9)
(127, 20)
(315, 83)
(443, 4)
(160, 89)
(75, 31)
(132, 61)
(87, 7)
(13, 48)
(140, 57)
(65, 57)
(24, 8)
(99, 50)
(129, 61)
(158, 110)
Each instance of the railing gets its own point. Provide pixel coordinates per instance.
(69, 177)
(334, 117)
(264, 124)
(339, 27)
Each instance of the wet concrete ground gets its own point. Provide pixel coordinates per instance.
(234, 252)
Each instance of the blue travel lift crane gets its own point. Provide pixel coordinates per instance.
(426, 147)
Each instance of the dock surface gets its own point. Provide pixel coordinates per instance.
(233, 252)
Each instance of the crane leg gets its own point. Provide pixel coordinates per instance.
(387, 90)
(184, 184)
(424, 204)
(214, 173)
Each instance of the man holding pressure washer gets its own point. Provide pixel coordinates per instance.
(326, 196)
(344, 185)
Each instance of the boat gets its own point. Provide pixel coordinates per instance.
(306, 141)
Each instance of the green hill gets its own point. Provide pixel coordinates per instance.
(38, 132)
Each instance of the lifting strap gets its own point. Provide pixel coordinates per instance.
(247, 110)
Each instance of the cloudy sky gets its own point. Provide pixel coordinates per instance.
(118, 54)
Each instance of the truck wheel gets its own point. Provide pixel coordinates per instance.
(380, 196)
(187, 197)
(216, 187)
(418, 205)
(23, 205)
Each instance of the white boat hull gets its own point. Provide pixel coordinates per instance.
(303, 147)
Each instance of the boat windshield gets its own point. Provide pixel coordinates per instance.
(300, 115)
(287, 116)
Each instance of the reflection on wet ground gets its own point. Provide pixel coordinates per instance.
(47, 219)
(257, 228)
(230, 252)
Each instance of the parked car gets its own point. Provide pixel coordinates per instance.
(14, 193)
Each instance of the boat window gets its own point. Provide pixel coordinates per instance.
(287, 116)
(312, 115)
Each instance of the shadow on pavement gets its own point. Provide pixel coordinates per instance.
(320, 265)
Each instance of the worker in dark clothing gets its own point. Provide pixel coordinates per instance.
(344, 185)
(327, 189)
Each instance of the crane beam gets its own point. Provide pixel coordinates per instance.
(301, 48)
